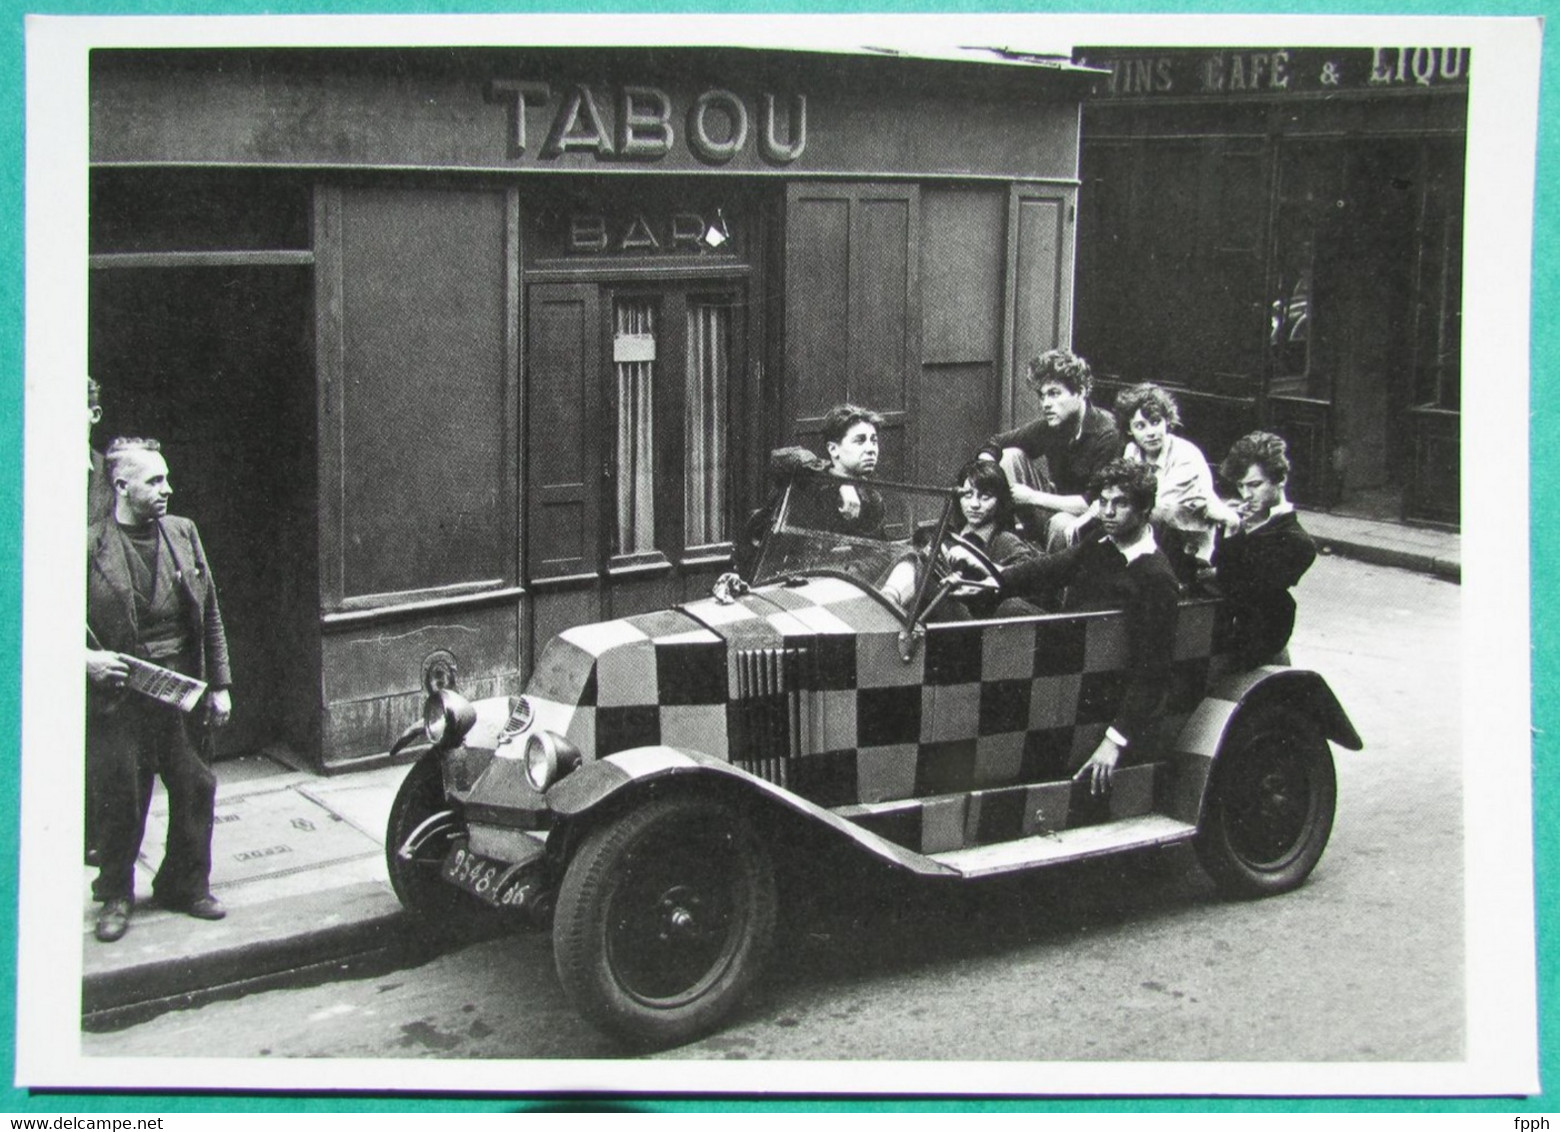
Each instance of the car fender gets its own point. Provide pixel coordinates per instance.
(1202, 737)
(618, 777)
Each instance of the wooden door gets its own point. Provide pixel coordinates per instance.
(635, 394)
(853, 318)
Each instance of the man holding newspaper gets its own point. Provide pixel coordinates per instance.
(157, 672)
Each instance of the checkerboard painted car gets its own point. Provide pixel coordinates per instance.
(637, 796)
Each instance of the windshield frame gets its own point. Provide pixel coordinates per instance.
(946, 496)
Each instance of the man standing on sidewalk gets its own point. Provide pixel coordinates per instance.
(150, 596)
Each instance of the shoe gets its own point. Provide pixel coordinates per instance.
(113, 920)
(206, 907)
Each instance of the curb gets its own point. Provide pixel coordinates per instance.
(1448, 569)
(352, 923)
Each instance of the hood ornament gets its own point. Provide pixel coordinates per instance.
(728, 587)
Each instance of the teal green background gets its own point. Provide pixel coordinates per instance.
(1545, 490)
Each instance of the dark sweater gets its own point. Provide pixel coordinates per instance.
(1098, 576)
(815, 505)
(1072, 457)
(1256, 570)
(1005, 549)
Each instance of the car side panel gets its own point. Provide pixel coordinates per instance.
(596, 782)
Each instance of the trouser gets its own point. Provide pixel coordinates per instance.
(126, 750)
(1048, 529)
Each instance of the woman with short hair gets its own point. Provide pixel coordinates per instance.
(1186, 500)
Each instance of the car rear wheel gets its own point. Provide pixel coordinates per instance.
(664, 920)
(1270, 806)
(439, 909)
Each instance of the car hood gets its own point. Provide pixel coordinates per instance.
(666, 677)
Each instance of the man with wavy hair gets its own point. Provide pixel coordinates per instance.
(1260, 563)
(1050, 460)
(1125, 570)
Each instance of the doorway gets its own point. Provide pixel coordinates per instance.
(216, 362)
(636, 394)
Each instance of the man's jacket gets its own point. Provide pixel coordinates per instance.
(111, 613)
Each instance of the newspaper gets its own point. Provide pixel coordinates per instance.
(163, 684)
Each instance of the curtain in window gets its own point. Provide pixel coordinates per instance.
(704, 509)
(635, 432)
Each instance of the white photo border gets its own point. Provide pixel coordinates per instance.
(1502, 1051)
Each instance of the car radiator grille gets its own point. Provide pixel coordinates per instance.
(771, 714)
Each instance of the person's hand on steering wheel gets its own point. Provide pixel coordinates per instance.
(969, 561)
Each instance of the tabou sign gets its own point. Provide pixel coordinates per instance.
(561, 124)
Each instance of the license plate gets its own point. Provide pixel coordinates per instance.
(481, 876)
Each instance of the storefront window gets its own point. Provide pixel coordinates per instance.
(709, 332)
(633, 357)
(1309, 189)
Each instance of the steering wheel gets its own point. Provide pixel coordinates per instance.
(945, 569)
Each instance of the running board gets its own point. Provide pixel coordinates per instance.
(1065, 845)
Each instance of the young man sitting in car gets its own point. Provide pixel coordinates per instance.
(1051, 460)
(850, 437)
(1125, 570)
(1259, 564)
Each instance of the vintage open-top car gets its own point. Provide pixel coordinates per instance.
(638, 794)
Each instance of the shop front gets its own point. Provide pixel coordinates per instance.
(1276, 234)
(452, 349)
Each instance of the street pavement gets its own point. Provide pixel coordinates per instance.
(1364, 962)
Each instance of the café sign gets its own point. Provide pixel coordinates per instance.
(644, 124)
(1139, 73)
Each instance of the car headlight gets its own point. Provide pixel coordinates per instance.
(548, 758)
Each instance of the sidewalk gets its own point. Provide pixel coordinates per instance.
(299, 859)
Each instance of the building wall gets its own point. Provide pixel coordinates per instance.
(892, 232)
(1274, 234)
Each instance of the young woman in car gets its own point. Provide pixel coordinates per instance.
(986, 507)
(1186, 503)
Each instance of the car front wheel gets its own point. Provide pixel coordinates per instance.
(439, 909)
(1270, 806)
(664, 920)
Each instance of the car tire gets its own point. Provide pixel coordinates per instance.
(664, 920)
(1270, 804)
(439, 909)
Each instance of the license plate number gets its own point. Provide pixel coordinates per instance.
(477, 875)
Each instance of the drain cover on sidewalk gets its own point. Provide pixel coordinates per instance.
(265, 833)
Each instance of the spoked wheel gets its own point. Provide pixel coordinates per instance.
(664, 920)
(441, 910)
(1270, 806)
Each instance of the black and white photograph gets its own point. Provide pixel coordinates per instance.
(975, 554)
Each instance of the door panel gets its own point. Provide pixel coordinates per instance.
(563, 448)
(1040, 256)
(853, 326)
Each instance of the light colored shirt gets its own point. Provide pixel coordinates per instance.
(1283, 508)
(1184, 479)
(1138, 547)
